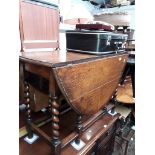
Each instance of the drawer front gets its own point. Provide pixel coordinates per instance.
(91, 151)
(107, 134)
(106, 148)
(105, 144)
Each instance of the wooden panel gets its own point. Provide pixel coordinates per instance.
(39, 70)
(106, 146)
(39, 26)
(39, 100)
(54, 57)
(87, 76)
(93, 101)
(21, 84)
(88, 86)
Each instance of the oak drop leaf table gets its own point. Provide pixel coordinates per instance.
(87, 82)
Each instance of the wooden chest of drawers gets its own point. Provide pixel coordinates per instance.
(99, 138)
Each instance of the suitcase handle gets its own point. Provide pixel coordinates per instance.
(116, 44)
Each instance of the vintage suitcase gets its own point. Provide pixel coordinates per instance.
(95, 42)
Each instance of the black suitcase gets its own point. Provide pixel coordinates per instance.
(95, 42)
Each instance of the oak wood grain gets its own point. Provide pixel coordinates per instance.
(88, 86)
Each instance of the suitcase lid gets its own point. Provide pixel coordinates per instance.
(101, 27)
(98, 34)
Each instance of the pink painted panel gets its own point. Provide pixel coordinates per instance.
(39, 26)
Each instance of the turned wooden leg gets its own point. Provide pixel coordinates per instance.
(125, 73)
(50, 106)
(78, 128)
(114, 97)
(56, 143)
(114, 101)
(28, 111)
(133, 79)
